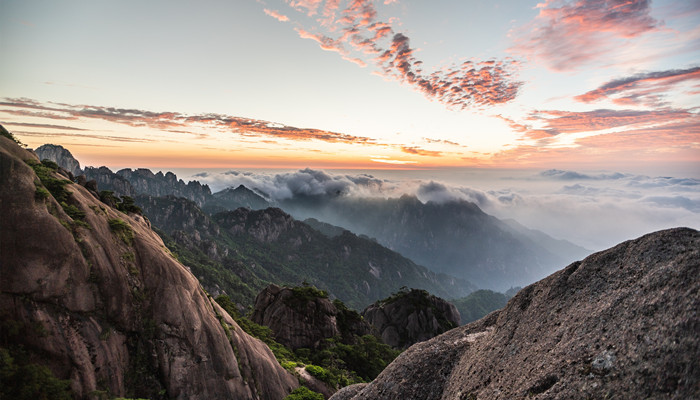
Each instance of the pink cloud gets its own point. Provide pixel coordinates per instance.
(641, 89)
(355, 29)
(276, 15)
(567, 34)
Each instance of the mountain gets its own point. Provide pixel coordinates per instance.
(622, 323)
(90, 295)
(305, 317)
(411, 316)
(455, 238)
(478, 304)
(231, 199)
(252, 248)
(60, 156)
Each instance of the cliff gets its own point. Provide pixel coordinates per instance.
(94, 295)
(621, 324)
(60, 156)
(409, 317)
(305, 317)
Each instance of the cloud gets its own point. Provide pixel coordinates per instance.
(567, 35)
(170, 120)
(558, 122)
(44, 126)
(573, 175)
(276, 15)
(355, 33)
(420, 152)
(641, 89)
(593, 209)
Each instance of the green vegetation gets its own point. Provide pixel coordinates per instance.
(45, 171)
(124, 204)
(307, 292)
(4, 132)
(478, 304)
(338, 362)
(304, 393)
(122, 230)
(56, 187)
(21, 379)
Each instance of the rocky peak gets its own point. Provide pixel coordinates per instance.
(60, 156)
(409, 317)
(622, 323)
(231, 199)
(92, 294)
(145, 181)
(304, 316)
(264, 225)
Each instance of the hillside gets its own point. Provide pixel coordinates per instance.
(623, 323)
(242, 251)
(456, 238)
(93, 295)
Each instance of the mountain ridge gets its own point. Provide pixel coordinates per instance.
(92, 293)
(622, 323)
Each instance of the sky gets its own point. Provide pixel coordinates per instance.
(586, 84)
(580, 118)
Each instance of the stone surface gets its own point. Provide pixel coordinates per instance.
(306, 322)
(623, 323)
(112, 313)
(410, 317)
(60, 156)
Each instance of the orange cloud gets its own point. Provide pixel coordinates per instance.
(420, 152)
(169, 120)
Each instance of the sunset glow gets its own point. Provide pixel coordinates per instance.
(357, 84)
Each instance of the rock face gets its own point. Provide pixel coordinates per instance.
(127, 182)
(60, 156)
(410, 317)
(300, 318)
(146, 182)
(98, 299)
(622, 323)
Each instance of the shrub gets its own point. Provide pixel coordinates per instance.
(4, 132)
(23, 380)
(122, 230)
(304, 393)
(318, 372)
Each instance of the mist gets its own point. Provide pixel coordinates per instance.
(595, 210)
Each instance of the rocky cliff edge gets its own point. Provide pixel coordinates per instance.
(98, 299)
(621, 324)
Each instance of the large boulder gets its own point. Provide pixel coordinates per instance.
(409, 317)
(93, 294)
(621, 324)
(303, 317)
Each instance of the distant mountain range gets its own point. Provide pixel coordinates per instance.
(455, 238)
(250, 248)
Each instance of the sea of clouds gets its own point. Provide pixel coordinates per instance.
(595, 210)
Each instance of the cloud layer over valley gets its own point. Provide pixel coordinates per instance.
(592, 209)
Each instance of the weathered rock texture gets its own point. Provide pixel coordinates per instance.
(621, 324)
(298, 320)
(113, 311)
(60, 156)
(411, 317)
